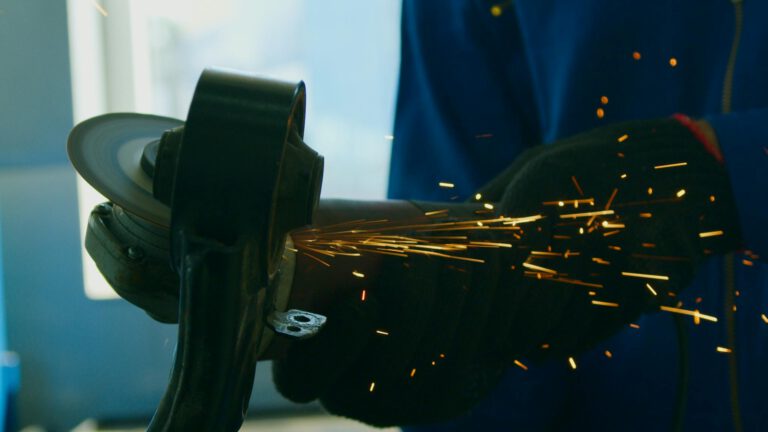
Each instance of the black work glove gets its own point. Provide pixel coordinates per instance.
(474, 320)
(670, 200)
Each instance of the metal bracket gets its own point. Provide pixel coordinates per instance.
(296, 323)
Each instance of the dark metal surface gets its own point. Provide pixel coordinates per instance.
(237, 178)
(235, 196)
(296, 323)
(133, 257)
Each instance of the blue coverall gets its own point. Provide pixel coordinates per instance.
(482, 81)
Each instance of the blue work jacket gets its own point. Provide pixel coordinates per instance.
(480, 82)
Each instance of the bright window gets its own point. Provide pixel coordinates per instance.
(146, 56)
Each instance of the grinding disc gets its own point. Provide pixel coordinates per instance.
(106, 151)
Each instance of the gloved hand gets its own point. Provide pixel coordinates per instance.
(671, 206)
(453, 329)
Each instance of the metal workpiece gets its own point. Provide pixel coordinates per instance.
(195, 230)
(296, 323)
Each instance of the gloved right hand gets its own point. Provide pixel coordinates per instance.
(657, 204)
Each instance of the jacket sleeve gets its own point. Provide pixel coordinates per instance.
(743, 139)
(464, 107)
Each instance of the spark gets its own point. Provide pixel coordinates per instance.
(488, 206)
(478, 196)
(99, 8)
(622, 138)
(604, 100)
(650, 191)
(373, 386)
(542, 253)
(764, 318)
(490, 244)
(680, 193)
(711, 198)
(634, 326)
(650, 288)
(577, 186)
(575, 282)
(362, 237)
(382, 332)
(747, 262)
(446, 185)
(608, 354)
(521, 365)
(693, 313)
(673, 62)
(604, 303)
(600, 113)
(586, 214)
(711, 234)
(362, 296)
(539, 268)
(646, 215)
(317, 259)
(436, 212)
(607, 224)
(636, 55)
(521, 220)
(498, 9)
(610, 200)
(645, 276)
(575, 202)
(623, 176)
(723, 350)
(545, 346)
(660, 257)
(413, 372)
(672, 165)
(572, 362)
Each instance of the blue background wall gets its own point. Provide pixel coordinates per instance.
(79, 358)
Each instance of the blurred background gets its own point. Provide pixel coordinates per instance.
(75, 356)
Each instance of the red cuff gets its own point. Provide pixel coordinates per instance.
(709, 146)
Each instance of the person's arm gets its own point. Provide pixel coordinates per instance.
(567, 281)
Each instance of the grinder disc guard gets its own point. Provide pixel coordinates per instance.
(106, 151)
